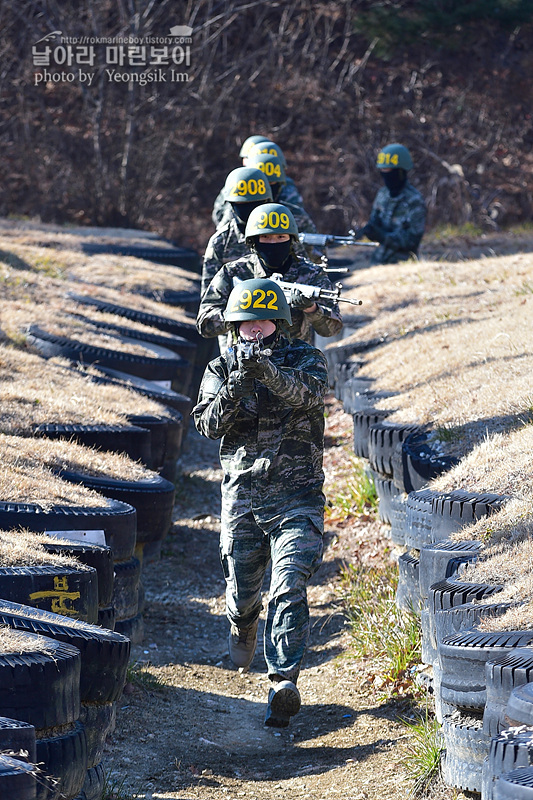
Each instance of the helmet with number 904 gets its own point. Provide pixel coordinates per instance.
(249, 143)
(247, 185)
(258, 298)
(271, 218)
(270, 148)
(394, 156)
(270, 165)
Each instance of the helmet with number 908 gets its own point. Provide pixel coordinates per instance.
(394, 156)
(247, 185)
(271, 218)
(270, 148)
(270, 165)
(249, 143)
(258, 298)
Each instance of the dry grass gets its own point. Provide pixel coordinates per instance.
(34, 390)
(519, 618)
(24, 548)
(24, 478)
(12, 641)
(61, 454)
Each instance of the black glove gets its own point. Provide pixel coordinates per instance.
(252, 367)
(374, 232)
(298, 299)
(240, 384)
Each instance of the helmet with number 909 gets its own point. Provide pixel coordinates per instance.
(270, 165)
(249, 143)
(247, 185)
(270, 218)
(394, 156)
(268, 148)
(258, 298)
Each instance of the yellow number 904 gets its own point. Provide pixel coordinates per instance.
(274, 220)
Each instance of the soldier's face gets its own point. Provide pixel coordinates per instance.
(250, 328)
(273, 238)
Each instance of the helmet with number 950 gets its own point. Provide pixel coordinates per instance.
(257, 298)
(247, 185)
(394, 156)
(270, 218)
(270, 148)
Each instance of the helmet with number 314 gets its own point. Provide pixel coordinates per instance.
(257, 298)
(270, 218)
(394, 156)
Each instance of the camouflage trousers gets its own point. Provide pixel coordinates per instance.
(294, 551)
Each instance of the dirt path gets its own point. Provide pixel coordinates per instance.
(201, 734)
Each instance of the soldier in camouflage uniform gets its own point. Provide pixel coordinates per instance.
(268, 412)
(398, 217)
(271, 233)
(245, 189)
(289, 193)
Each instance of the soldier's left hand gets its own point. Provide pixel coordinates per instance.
(252, 366)
(299, 300)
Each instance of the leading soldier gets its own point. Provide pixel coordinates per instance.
(267, 408)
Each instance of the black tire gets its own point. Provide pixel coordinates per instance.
(40, 688)
(166, 435)
(462, 657)
(407, 592)
(69, 591)
(167, 397)
(17, 736)
(106, 618)
(97, 556)
(63, 758)
(502, 675)
(515, 785)
(341, 374)
(99, 721)
(362, 421)
(415, 462)
(104, 654)
(386, 492)
(435, 559)
(126, 590)
(383, 438)
(189, 301)
(454, 510)
(398, 518)
(178, 344)
(164, 365)
(184, 257)
(17, 779)
(466, 749)
(339, 352)
(129, 439)
(94, 784)
(132, 628)
(519, 710)
(152, 497)
(117, 520)
(419, 506)
(508, 751)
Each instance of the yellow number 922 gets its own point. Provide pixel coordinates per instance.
(256, 299)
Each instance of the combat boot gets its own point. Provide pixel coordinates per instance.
(242, 643)
(283, 703)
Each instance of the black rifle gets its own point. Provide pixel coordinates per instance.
(325, 239)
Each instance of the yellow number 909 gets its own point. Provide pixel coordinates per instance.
(274, 220)
(256, 299)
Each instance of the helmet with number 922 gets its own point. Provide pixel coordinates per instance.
(247, 185)
(257, 298)
(394, 156)
(270, 218)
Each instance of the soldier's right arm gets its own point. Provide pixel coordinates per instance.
(213, 258)
(219, 207)
(210, 319)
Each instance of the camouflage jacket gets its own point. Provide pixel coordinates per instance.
(404, 219)
(289, 194)
(272, 443)
(326, 320)
(226, 244)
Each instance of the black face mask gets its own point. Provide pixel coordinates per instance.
(243, 210)
(275, 254)
(394, 181)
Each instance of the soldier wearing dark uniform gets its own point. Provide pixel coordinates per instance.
(245, 189)
(268, 411)
(398, 217)
(271, 232)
